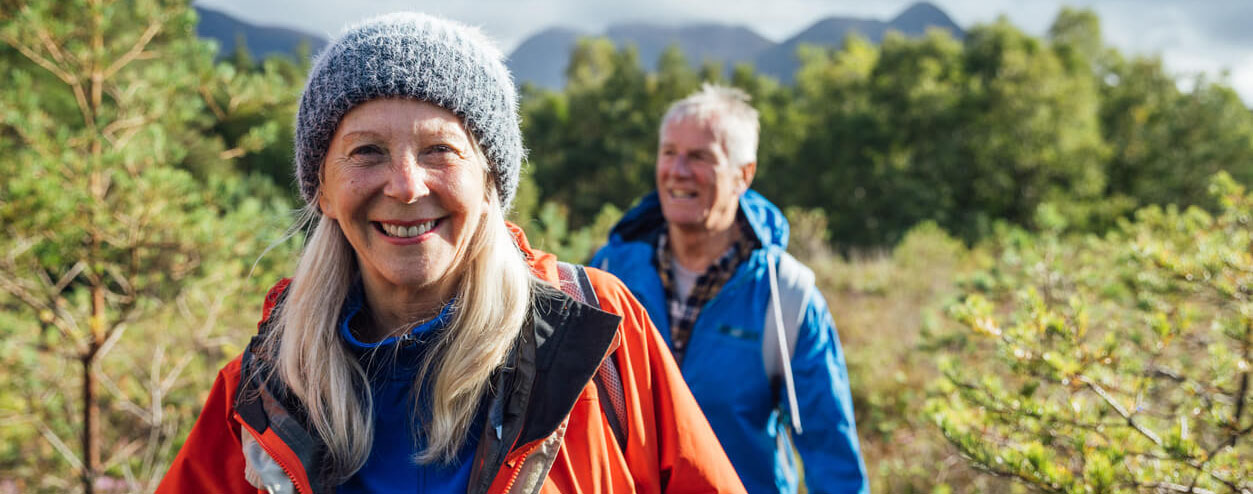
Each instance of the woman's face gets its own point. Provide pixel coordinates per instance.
(408, 189)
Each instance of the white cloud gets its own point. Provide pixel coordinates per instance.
(1242, 79)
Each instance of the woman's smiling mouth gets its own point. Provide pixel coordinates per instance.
(406, 231)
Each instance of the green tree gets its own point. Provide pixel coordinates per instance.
(122, 213)
(818, 159)
(963, 133)
(254, 114)
(674, 78)
(1076, 35)
(930, 129)
(595, 142)
(241, 57)
(1167, 143)
(1032, 134)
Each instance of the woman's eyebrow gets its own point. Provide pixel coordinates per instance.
(358, 135)
(439, 130)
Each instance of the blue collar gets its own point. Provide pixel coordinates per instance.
(353, 305)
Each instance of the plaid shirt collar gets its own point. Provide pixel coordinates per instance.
(683, 313)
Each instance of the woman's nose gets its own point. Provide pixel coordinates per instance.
(407, 180)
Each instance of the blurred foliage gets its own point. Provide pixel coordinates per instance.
(550, 231)
(1116, 363)
(885, 304)
(962, 133)
(129, 234)
(254, 110)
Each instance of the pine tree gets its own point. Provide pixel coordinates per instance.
(117, 200)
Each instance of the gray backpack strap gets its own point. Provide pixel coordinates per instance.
(574, 282)
(790, 284)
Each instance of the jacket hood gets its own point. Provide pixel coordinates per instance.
(645, 220)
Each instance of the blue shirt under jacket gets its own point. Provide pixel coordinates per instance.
(392, 366)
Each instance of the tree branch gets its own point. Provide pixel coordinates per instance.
(211, 103)
(121, 454)
(52, 47)
(1096, 388)
(154, 27)
(23, 294)
(69, 276)
(122, 401)
(1169, 487)
(232, 153)
(114, 333)
(1020, 476)
(122, 124)
(65, 76)
(128, 289)
(1239, 400)
(60, 446)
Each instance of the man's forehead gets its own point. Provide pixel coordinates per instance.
(690, 124)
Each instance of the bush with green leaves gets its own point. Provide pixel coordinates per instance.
(1111, 364)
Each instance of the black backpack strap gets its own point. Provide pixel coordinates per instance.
(574, 282)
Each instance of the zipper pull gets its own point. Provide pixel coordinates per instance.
(408, 339)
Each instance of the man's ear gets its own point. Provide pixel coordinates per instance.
(746, 175)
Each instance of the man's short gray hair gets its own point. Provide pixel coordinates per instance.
(728, 114)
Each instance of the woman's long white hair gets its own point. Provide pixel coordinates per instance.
(492, 305)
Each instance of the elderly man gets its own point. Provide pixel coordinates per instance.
(752, 334)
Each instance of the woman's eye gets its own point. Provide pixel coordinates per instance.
(368, 150)
(440, 149)
(441, 152)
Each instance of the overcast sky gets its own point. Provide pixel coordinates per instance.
(1191, 36)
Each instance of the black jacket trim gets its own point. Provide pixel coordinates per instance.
(573, 340)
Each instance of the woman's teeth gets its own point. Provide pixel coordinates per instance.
(407, 231)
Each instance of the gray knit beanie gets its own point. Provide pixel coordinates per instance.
(417, 56)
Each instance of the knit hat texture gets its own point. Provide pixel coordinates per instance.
(411, 55)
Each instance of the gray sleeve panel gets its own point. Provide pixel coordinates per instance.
(795, 281)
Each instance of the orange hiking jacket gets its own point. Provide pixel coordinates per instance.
(548, 435)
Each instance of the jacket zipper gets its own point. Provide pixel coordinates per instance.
(517, 469)
(300, 488)
(523, 457)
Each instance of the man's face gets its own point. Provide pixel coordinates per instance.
(699, 186)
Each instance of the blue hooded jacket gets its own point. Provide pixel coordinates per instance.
(723, 362)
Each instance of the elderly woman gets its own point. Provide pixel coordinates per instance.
(422, 345)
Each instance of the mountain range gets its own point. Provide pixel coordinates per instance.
(541, 58)
(262, 41)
